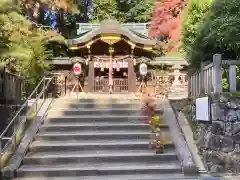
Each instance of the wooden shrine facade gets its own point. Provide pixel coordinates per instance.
(110, 57)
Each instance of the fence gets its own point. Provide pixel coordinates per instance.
(209, 78)
(10, 88)
(14, 132)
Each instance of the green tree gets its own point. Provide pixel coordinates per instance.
(35, 10)
(218, 33)
(123, 10)
(136, 10)
(105, 9)
(23, 44)
(192, 19)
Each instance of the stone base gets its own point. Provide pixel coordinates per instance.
(190, 170)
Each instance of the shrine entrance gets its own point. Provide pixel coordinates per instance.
(111, 55)
(119, 77)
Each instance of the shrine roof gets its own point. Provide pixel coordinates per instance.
(112, 27)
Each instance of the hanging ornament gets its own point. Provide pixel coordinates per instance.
(117, 66)
(102, 66)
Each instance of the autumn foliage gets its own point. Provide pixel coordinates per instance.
(166, 22)
(33, 8)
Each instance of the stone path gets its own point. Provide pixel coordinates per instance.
(231, 177)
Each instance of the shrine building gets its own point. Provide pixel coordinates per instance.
(109, 55)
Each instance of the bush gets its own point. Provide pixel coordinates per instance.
(192, 19)
(24, 45)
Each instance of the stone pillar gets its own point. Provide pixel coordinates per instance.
(233, 78)
(217, 62)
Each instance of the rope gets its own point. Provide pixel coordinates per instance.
(114, 59)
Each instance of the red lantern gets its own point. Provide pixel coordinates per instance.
(77, 69)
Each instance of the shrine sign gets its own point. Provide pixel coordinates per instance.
(121, 64)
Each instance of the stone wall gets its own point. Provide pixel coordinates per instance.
(220, 144)
(188, 108)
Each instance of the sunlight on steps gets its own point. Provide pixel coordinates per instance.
(98, 138)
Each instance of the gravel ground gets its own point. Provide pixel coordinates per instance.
(232, 177)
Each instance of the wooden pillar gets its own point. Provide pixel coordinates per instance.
(131, 76)
(90, 62)
(90, 76)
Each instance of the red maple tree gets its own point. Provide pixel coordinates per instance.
(166, 21)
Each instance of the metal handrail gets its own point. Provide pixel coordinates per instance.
(22, 107)
(22, 119)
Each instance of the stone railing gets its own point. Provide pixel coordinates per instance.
(219, 139)
(209, 78)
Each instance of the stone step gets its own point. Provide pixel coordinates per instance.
(121, 100)
(58, 158)
(71, 136)
(95, 119)
(159, 176)
(101, 95)
(94, 138)
(92, 141)
(106, 127)
(117, 177)
(67, 169)
(110, 111)
(98, 152)
(38, 146)
(102, 105)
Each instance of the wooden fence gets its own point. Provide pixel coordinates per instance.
(209, 78)
(10, 88)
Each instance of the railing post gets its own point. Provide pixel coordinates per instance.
(44, 81)
(0, 158)
(233, 78)
(217, 81)
(202, 82)
(36, 101)
(16, 124)
(190, 85)
(194, 84)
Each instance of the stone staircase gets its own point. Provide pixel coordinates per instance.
(97, 139)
